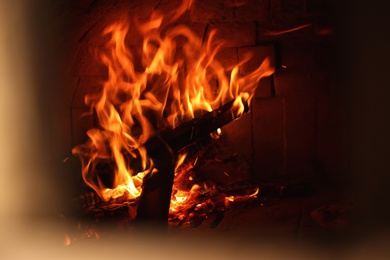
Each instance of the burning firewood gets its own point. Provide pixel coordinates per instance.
(147, 114)
(189, 132)
(157, 188)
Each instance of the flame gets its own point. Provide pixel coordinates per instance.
(180, 161)
(289, 30)
(172, 86)
(182, 200)
(241, 198)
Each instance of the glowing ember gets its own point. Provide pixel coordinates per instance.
(172, 86)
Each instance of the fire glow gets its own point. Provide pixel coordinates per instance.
(175, 84)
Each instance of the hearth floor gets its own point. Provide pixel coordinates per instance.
(324, 217)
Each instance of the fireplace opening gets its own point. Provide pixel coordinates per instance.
(273, 161)
(307, 162)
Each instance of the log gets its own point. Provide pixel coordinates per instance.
(187, 133)
(163, 148)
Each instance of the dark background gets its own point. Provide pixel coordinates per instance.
(362, 47)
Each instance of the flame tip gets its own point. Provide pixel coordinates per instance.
(174, 78)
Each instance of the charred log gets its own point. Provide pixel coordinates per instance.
(163, 148)
(189, 132)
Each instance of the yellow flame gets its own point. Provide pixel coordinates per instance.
(254, 193)
(172, 86)
(180, 161)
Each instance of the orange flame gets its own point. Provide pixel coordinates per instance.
(172, 86)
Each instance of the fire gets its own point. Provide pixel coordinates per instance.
(172, 86)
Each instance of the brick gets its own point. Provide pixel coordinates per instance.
(227, 57)
(81, 122)
(60, 131)
(319, 7)
(238, 136)
(65, 92)
(304, 71)
(169, 7)
(263, 36)
(292, 10)
(87, 64)
(323, 147)
(251, 10)
(198, 28)
(141, 9)
(332, 139)
(264, 88)
(288, 13)
(92, 20)
(69, 45)
(268, 139)
(210, 11)
(297, 83)
(301, 52)
(300, 116)
(87, 85)
(80, 17)
(237, 34)
(292, 5)
(258, 54)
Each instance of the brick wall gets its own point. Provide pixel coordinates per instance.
(295, 128)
